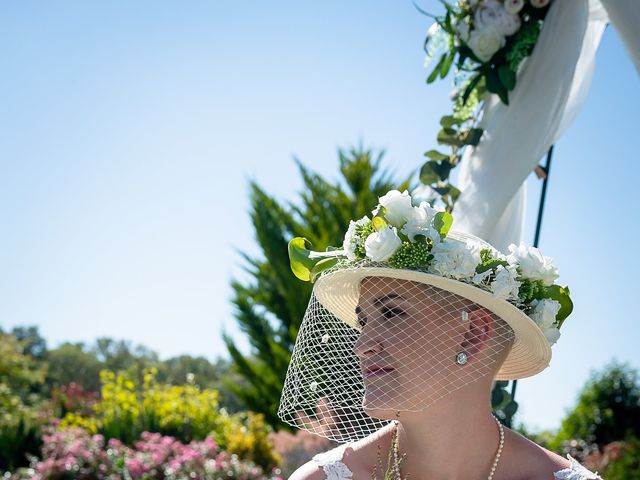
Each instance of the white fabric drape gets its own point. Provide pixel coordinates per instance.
(625, 17)
(552, 86)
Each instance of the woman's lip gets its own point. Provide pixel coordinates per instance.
(377, 371)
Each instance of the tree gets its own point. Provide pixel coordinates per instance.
(73, 363)
(34, 344)
(608, 408)
(269, 308)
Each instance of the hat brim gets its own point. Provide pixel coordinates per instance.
(338, 291)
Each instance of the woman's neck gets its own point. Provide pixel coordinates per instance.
(452, 440)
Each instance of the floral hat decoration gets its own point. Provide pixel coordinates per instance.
(403, 240)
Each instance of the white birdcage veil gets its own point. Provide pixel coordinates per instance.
(408, 312)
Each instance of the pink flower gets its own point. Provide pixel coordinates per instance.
(136, 467)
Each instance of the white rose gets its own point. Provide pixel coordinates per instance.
(544, 314)
(351, 241)
(493, 14)
(456, 259)
(419, 222)
(513, 6)
(485, 42)
(539, 3)
(398, 207)
(381, 245)
(533, 264)
(505, 285)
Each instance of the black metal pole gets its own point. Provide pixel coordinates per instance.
(543, 194)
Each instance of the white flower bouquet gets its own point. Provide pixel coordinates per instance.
(484, 42)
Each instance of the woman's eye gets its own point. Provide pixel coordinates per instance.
(392, 312)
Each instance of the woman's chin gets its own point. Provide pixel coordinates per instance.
(381, 413)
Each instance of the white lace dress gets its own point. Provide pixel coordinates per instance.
(334, 469)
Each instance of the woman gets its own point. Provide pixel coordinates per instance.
(402, 342)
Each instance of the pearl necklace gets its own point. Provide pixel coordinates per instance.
(499, 452)
(396, 457)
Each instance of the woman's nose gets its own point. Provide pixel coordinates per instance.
(368, 343)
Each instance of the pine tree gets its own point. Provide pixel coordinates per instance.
(270, 307)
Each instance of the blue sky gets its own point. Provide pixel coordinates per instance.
(129, 132)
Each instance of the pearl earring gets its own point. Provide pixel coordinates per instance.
(465, 315)
(462, 358)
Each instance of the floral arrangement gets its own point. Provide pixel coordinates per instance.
(74, 453)
(403, 235)
(485, 41)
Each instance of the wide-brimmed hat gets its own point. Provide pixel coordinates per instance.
(338, 291)
(409, 242)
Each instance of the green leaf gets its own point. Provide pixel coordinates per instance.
(490, 265)
(433, 171)
(494, 85)
(436, 70)
(303, 261)
(449, 120)
(446, 65)
(429, 172)
(507, 77)
(442, 222)
(448, 136)
(442, 190)
(299, 258)
(472, 85)
(436, 155)
(473, 136)
(454, 192)
(319, 267)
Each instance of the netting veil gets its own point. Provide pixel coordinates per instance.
(414, 345)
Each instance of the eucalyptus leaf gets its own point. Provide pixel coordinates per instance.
(445, 137)
(436, 155)
(454, 192)
(429, 173)
(473, 136)
(449, 120)
(442, 222)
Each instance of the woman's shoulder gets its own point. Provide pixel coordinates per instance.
(537, 463)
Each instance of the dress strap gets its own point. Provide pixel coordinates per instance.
(575, 472)
(331, 464)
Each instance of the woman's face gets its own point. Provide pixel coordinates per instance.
(407, 349)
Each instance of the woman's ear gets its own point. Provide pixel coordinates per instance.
(478, 333)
